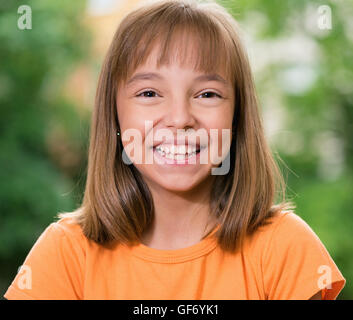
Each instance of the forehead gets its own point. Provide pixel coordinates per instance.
(146, 70)
(182, 49)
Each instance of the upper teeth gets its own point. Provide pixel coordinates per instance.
(174, 149)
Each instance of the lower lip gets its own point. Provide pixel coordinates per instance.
(184, 162)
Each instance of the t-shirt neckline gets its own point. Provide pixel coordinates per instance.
(194, 251)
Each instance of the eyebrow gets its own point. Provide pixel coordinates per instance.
(156, 76)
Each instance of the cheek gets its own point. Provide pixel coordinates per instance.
(131, 122)
(134, 116)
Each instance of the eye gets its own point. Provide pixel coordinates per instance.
(153, 94)
(210, 94)
(149, 92)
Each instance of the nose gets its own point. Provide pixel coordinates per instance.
(179, 114)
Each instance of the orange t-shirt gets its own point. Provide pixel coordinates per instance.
(282, 260)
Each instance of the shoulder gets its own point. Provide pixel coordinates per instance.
(68, 227)
(64, 233)
(283, 240)
(292, 232)
(293, 260)
(286, 231)
(56, 263)
(283, 226)
(290, 225)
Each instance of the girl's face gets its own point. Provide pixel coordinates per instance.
(173, 99)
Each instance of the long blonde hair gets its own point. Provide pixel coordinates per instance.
(117, 204)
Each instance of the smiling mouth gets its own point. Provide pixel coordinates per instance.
(177, 153)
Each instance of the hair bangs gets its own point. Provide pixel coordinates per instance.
(193, 40)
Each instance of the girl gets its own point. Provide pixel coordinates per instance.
(176, 228)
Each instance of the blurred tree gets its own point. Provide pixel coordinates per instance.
(304, 80)
(42, 135)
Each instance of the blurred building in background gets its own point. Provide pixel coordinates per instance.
(102, 17)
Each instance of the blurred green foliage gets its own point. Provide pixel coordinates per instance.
(34, 185)
(314, 142)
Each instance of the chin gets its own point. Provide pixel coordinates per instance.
(176, 181)
(177, 186)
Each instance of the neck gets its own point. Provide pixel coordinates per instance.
(181, 218)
